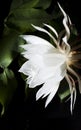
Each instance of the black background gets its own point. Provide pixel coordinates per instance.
(28, 114)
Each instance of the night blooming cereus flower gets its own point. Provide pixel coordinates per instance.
(49, 64)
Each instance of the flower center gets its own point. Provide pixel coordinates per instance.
(68, 57)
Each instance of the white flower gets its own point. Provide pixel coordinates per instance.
(49, 64)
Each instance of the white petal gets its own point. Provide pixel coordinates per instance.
(62, 10)
(33, 50)
(67, 35)
(25, 69)
(54, 59)
(28, 69)
(50, 97)
(65, 20)
(76, 75)
(67, 48)
(31, 39)
(49, 88)
(36, 45)
(52, 29)
(44, 74)
(45, 31)
(71, 92)
(48, 60)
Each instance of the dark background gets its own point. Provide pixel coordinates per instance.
(28, 114)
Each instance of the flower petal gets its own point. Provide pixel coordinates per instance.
(31, 39)
(71, 92)
(25, 68)
(34, 43)
(76, 75)
(44, 74)
(65, 23)
(54, 59)
(51, 95)
(49, 88)
(28, 69)
(45, 31)
(52, 29)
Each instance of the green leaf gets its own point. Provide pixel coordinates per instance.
(7, 46)
(64, 94)
(21, 19)
(44, 4)
(74, 30)
(25, 4)
(64, 91)
(8, 85)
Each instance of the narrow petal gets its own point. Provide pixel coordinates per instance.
(75, 94)
(25, 69)
(41, 77)
(52, 29)
(71, 92)
(65, 22)
(45, 31)
(33, 50)
(31, 39)
(50, 97)
(62, 10)
(34, 43)
(76, 75)
(67, 46)
(49, 87)
(44, 74)
(29, 70)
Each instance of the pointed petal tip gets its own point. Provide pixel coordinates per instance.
(19, 70)
(34, 26)
(58, 3)
(46, 105)
(21, 36)
(38, 96)
(62, 9)
(51, 28)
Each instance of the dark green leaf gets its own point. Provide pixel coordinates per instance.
(44, 4)
(74, 30)
(25, 4)
(21, 19)
(64, 91)
(8, 85)
(7, 45)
